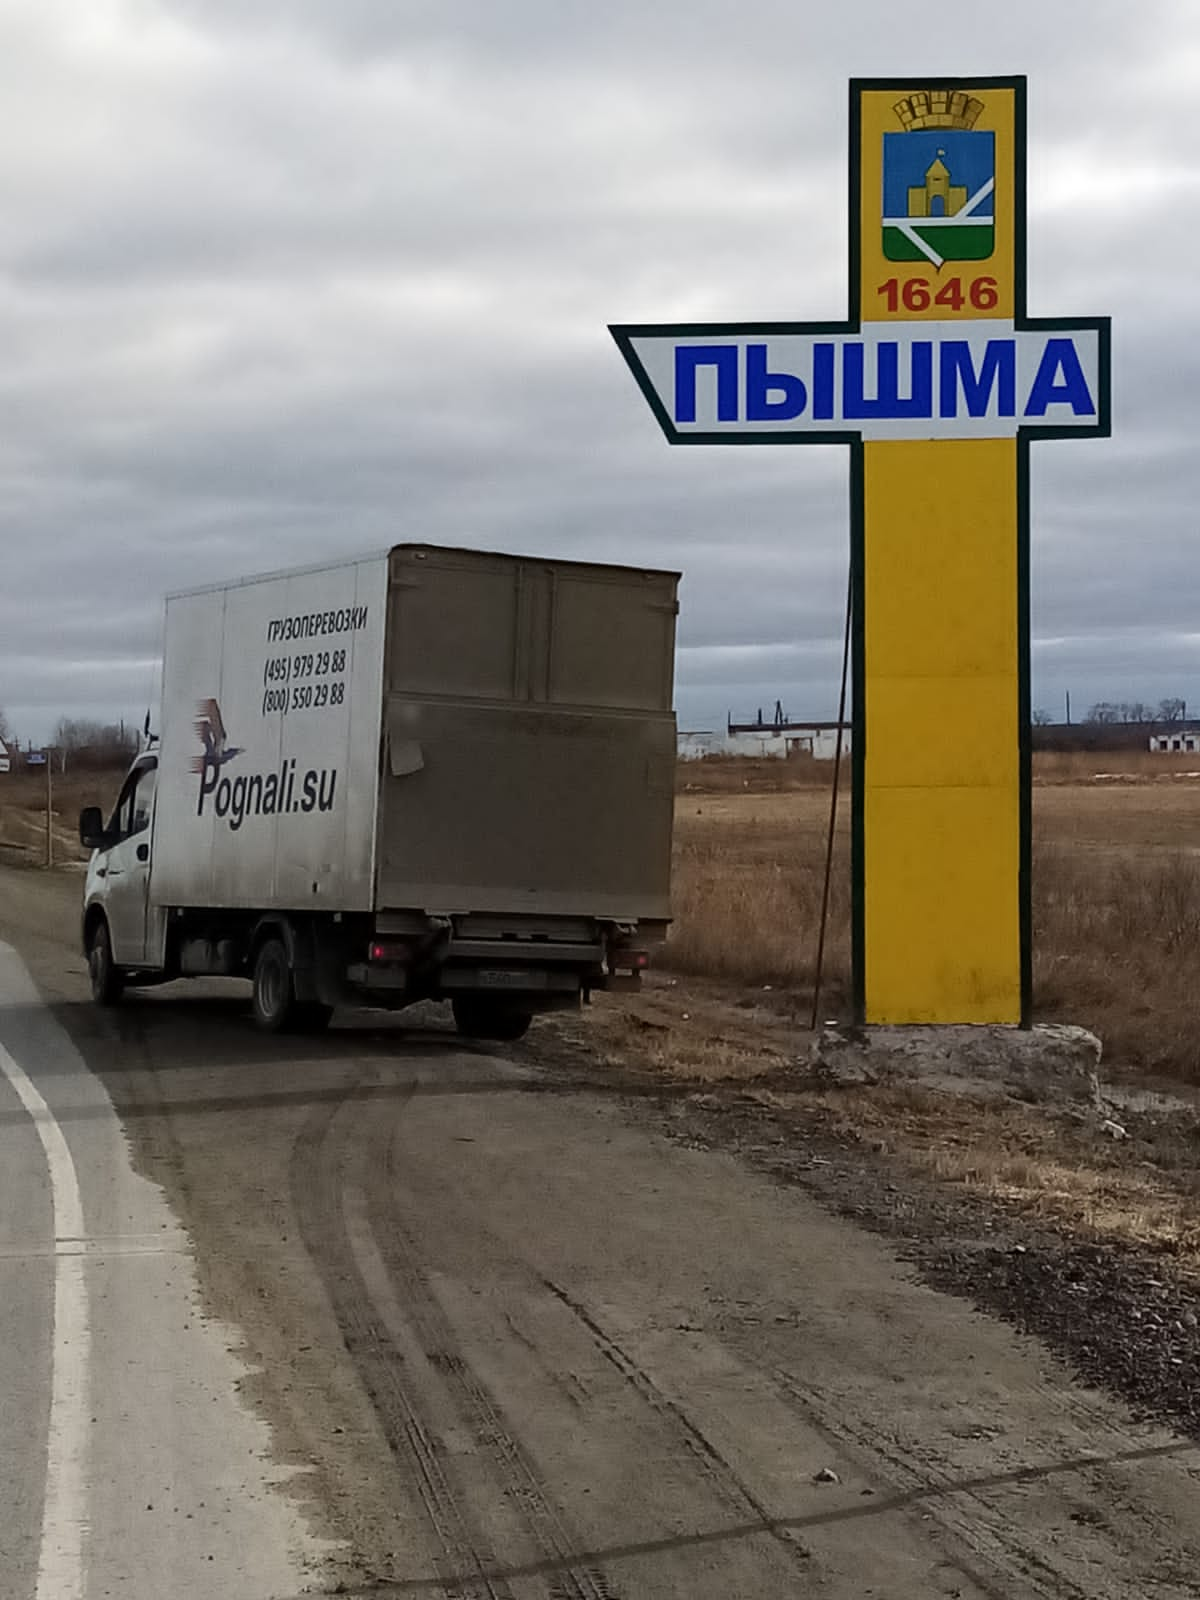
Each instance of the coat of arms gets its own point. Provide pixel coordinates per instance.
(939, 181)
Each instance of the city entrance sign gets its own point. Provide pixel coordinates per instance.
(938, 382)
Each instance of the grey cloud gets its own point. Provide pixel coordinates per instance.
(288, 279)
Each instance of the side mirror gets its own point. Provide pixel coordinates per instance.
(91, 828)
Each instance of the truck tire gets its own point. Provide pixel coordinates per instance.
(107, 979)
(274, 999)
(479, 1018)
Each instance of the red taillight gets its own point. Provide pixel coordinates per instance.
(628, 960)
(388, 952)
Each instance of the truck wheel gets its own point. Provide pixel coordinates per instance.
(274, 1002)
(107, 980)
(486, 1019)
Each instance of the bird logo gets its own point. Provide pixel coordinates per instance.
(210, 730)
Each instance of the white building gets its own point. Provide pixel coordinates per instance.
(818, 741)
(1175, 741)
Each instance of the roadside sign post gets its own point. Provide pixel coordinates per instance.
(44, 758)
(49, 810)
(938, 382)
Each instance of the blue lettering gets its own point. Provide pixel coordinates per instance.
(822, 382)
(1060, 357)
(688, 358)
(998, 369)
(887, 371)
(760, 383)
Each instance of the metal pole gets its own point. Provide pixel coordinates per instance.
(837, 773)
(49, 808)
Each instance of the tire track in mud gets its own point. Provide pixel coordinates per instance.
(994, 1543)
(721, 1473)
(317, 1174)
(332, 1175)
(513, 1471)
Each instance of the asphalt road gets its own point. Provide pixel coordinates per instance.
(420, 1320)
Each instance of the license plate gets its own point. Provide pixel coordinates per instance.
(506, 978)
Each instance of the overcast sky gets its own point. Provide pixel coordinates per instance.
(288, 279)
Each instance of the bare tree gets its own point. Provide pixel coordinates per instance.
(95, 744)
(1136, 711)
(1104, 711)
(1042, 719)
(1171, 710)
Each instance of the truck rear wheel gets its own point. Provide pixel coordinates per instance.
(274, 1001)
(276, 1009)
(107, 979)
(477, 1018)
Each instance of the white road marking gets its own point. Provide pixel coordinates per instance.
(60, 1558)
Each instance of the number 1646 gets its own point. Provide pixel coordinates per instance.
(915, 294)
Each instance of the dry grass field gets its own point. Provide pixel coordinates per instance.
(23, 812)
(1116, 888)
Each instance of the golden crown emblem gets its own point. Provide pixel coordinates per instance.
(938, 108)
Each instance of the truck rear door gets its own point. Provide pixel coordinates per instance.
(530, 740)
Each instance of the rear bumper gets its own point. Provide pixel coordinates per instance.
(421, 955)
(383, 978)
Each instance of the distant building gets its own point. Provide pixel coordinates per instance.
(1100, 737)
(775, 740)
(694, 746)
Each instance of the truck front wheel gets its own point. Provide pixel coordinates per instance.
(107, 980)
(477, 1018)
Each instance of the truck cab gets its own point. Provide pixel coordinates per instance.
(118, 930)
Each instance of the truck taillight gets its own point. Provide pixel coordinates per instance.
(628, 960)
(381, 951)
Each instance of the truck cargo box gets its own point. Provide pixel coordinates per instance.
(446, 731)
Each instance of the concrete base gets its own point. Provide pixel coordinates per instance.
(1050, 1062)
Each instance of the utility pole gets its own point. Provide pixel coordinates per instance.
(49, 809)
(1068, 708)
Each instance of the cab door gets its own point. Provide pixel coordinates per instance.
(126, 865)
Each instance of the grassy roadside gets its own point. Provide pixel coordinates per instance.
(1116, 892)
(1116, 889)
(1058, 1166)
(23, 812)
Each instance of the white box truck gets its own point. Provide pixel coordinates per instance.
(427, 774)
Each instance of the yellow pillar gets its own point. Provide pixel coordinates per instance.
(941, 771)
(940, 791)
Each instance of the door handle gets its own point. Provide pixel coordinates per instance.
(114, 872)
(143, 852)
